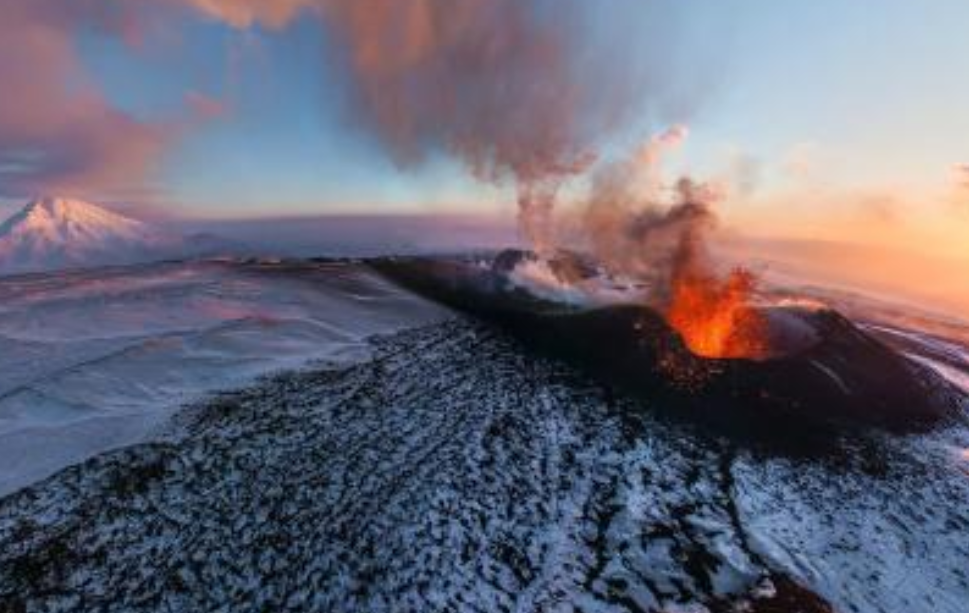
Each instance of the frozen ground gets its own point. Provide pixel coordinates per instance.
(94, 360)
(443, 469)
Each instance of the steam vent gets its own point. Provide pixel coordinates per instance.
(813, 370)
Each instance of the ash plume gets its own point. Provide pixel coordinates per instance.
(638, 226)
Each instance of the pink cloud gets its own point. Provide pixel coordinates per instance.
(246, 13)
(204, 106)
(58, 133)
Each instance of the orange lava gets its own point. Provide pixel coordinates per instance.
(714, 316)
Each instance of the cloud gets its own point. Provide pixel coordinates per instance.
(247, 13)
(508, 87)
(204, 106)
(58, 132)
(960, 177)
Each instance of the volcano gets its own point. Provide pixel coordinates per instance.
(820, 372)
(53, 233)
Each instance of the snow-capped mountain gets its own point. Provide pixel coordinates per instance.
(56, 233)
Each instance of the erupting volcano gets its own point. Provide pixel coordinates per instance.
(774, 372)
(621, 376)
(714, 314)
(646, 230)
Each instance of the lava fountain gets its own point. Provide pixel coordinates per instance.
(714, 314)
(715, 317)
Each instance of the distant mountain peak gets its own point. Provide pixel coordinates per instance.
(52, 233)
(66, 220)
(57, 206)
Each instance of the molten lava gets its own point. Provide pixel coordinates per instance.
(715, 317)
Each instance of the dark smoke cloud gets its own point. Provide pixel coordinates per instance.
(648, 240)
(639, 226)
(497, 83)
(503, 84)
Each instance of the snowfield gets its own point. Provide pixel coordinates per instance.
(426, 464)
(94, 360)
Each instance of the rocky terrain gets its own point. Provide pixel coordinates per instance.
(454, 472)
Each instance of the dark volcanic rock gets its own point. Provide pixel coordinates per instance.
(842, 377)
(450, 474)
(456, 473)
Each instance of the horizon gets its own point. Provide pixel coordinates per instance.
(874, 271)
(224, 114)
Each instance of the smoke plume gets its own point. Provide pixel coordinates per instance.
(495, 82)
(509, 87)
(637, 225)
(641, 228)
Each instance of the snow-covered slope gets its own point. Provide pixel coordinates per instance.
(92, 360)
(454, 473)
(423, 462)
(57, 233)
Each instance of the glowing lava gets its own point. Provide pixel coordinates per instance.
(715, 317)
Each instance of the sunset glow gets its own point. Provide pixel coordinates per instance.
(484, 305)
(316, 107)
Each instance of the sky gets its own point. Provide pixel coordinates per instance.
(829, 119)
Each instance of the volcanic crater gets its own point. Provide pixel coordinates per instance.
(814, 370)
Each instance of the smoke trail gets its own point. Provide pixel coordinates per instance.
(495, 82)
(637, 227)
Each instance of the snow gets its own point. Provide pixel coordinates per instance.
(94, 360)
(57, 233)
(453, 472)
(890, 537)
(414, 460)
(63, 218)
